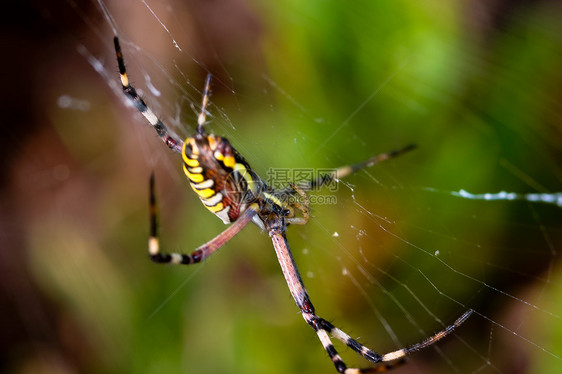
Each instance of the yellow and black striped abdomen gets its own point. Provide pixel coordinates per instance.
(219, 176)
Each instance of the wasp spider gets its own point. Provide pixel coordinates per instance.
(228, 187)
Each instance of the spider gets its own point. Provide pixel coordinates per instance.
(229, 188)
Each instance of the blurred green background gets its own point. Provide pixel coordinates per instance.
(317, 84)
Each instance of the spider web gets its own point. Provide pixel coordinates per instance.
(471, 219)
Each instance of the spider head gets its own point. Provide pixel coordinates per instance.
(285, 203)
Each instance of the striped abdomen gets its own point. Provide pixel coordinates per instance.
(220, 177)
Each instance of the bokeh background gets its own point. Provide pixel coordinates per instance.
(477, 85)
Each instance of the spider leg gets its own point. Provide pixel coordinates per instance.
(203, 251)
(324, 328)
(304, 208)
(344, 171)
(205, 101)
(171, 140)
